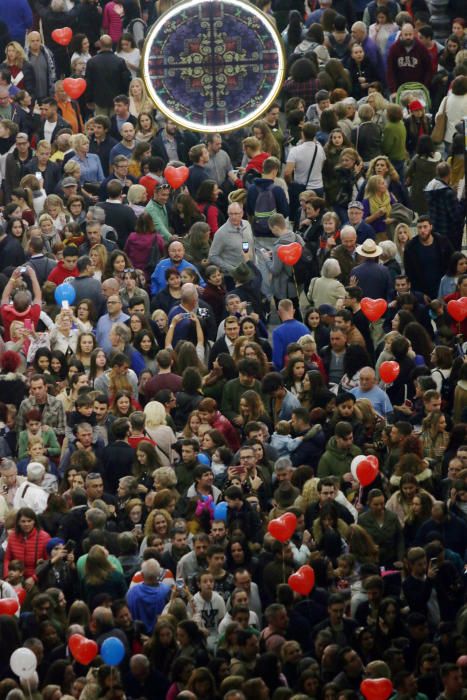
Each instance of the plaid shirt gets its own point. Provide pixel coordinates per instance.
(53, 414)
(306, 90)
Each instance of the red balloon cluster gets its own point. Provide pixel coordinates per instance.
(290, 254)
(376, 688)
(365, 469)
(303, 580)
(283, 527)
(83, 650)
(176, 176)
(457, 309)
(389, 371)
(62, 36)
(74, 87)
(373, 308)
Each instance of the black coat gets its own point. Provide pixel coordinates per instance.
(14, 171)
(414, 270)
(106, 77)
(11, 253)
(117, 461)
(103, 151)
(122, 218)
(29, 77)
(51, 175)
(61, 124)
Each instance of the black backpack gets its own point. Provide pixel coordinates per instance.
(304, 267)
(265, 207)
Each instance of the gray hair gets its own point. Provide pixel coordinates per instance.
(360, 25)
(97, 213)
(348, 229)
(122, 332)
(189, 291)
(96, 518)
(282, 463)
(389, 250)
(151, 570)
(331, 268)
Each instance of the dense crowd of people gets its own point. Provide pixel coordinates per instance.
(183, 366)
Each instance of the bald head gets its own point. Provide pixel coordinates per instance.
(102, 617)
(106, 42)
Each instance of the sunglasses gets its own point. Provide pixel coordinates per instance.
(163, 187)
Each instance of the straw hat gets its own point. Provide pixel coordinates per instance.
(369, 249)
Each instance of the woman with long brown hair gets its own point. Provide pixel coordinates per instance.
(101, 577)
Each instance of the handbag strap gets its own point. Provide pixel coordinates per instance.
(311, 166)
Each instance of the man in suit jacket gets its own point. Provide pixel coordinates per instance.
(106, 77)
(227, 341)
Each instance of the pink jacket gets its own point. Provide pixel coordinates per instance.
(112, 22)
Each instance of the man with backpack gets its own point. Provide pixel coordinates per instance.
(265, 199)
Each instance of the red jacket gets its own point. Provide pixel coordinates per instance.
(29, 550)
(59, 274)
(225, 427)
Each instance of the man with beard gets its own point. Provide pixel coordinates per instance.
(408, 61)
(177, 549)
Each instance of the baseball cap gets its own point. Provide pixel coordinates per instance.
(69, 181)
(326, 310)
(355, 205)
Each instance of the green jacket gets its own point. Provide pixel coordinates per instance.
(233, 391)
(389, 537)
(394, 137)
(49, 439)
(336, 462)
(160, 218)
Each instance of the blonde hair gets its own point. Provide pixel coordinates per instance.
(137, 194)
(398, 228)
(78, 140)
(55, 201)
(20, 53)
(149, 526)
(155, 414)
(101, 251)
(43, 144)
(372, 185)
(71, 166)
(45, 217)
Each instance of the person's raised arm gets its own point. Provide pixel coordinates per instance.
(36, 287)
(15, 275)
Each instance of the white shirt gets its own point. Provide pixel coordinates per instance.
(301, 156)
(49, 128)
(30, 496)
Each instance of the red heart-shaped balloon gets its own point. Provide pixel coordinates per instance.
(389, 371)
(8, 606)
(376, 688)
(74, 87)
(83, 650)
(62, 36)
(366, 473)
(373, 308)
(176, 176)
(283, 527)
(457, 309)
(137, 578)
(303, 580)
(373, 459)
(22, 593)
(290, 253)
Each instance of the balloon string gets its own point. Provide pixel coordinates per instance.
(295, 282)
(283, 563)
(29, 688)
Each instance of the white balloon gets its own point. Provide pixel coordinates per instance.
(354, 464)
(23, 662)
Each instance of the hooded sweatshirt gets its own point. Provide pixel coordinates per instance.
(147, 602)
(336, 462)
(408, 65)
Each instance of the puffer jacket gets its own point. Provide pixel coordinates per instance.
(29, 550)
(336, 462)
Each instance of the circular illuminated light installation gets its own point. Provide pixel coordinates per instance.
(213, 65)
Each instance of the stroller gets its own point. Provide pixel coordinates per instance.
(407, 92)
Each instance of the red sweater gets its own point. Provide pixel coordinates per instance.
(27, 549)
(59, 274)
(412, 66)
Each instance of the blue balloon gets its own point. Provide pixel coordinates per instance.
(203, 459)
(112, 651)
(65, 292)
(220, 511)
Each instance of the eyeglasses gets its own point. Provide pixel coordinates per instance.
(163, 187)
